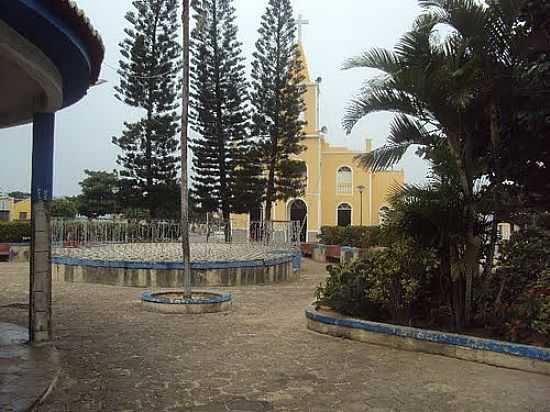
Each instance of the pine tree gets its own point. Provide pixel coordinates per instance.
(277, 99)
(225, 175)
(149, 80)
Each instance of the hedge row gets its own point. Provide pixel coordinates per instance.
(354, 236)
(11, 232)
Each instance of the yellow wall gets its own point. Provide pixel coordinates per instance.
(378, 186)
(23, 206)
(384, 184)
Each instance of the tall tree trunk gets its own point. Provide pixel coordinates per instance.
(462, 155)
(220, 133)
(184, 223)
(471, 263)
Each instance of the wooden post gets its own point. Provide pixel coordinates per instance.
(183, 147)
(40, 296)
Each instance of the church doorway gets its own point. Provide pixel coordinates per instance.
(297, 211)
(344, 214)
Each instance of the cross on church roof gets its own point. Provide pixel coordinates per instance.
(301, 22)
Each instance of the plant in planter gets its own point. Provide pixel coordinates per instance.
(384, 285)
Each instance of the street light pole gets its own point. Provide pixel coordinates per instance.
(361, 189)
(184, 223)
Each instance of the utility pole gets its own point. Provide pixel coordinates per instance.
(361, 189)
(184, 224)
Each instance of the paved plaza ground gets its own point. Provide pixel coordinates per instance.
(260, 357)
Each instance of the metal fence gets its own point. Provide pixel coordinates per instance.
(90, 233)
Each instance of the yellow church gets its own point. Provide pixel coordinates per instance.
(338, 190)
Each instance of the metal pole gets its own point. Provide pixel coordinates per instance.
(361, 208)
(183, 147)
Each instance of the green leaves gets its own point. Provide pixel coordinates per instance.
(384, 285)
(149, 80)
(225, 164)
(15, 232)
(277, 99)
(354, 236)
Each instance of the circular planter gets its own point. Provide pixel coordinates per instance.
(174, 302)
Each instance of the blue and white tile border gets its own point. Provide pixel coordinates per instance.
(489, 351)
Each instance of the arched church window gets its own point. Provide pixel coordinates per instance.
(344, 180)
(344, 214)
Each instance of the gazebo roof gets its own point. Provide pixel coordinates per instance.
(50, 56)
(81, 24)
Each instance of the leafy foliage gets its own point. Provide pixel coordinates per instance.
(19, 195)
(15, 232)
(521, 285)
(149, 81)
(64, 207)
(385, 285)
(354, 236)
(226, 170)
(277, 101)
(99, 193)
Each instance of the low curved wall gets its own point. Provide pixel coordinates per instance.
(491, 352)
(210, 303)
(170, 274)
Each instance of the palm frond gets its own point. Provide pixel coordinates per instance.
(467, 17)
(405, 129)
(376, 58)
(404, 132)
(384, 157)
(377, 99)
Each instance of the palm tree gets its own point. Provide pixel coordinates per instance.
(441, 92)
(433, 216)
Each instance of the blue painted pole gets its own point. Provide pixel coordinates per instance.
(40, 325)
(42, 156)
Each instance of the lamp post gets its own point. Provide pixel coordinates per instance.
(361, 189)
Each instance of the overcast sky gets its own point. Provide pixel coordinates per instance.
(337, 30)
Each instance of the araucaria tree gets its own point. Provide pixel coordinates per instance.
(277, 100)
(149, 80)
(226, 175)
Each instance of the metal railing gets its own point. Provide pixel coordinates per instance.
(276, 235)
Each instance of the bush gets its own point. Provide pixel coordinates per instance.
(384, 285)
(521, 287)
(14, 232)
(355, 236)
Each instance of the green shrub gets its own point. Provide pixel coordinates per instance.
(355, 236)
(14, 232)
(384, 285)
(521, 287)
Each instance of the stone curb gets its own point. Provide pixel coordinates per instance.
(215, 303)
(488, 351)
(157, 298)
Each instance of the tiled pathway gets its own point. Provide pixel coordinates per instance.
(260, 357)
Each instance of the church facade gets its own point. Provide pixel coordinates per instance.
(338, 190)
